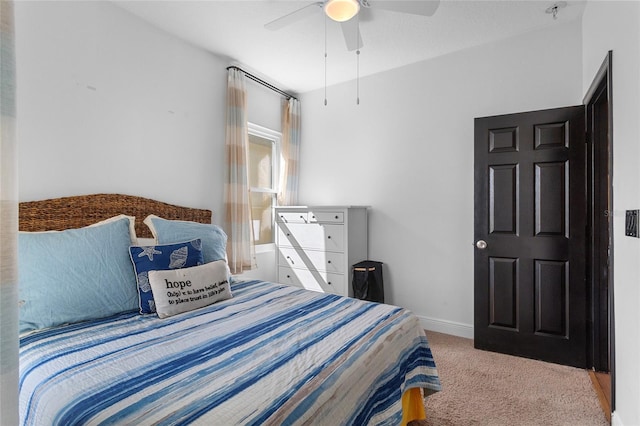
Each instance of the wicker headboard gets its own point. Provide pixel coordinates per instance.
(82, 210)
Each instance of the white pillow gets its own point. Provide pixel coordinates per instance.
(182, 290)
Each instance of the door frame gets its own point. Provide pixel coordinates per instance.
(602, 83)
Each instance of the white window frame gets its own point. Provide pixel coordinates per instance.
(276, 138)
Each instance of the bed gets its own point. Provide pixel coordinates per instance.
(253, 353)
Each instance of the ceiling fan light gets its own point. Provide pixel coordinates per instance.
(341, 10)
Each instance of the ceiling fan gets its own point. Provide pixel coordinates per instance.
(344, 11)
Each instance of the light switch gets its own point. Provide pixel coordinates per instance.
(631, 223)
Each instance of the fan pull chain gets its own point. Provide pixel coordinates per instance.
(325, 60)
(358, 60)
(358, 77)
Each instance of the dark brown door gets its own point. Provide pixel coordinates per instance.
(530, 218)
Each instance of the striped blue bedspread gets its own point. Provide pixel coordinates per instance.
(272, 354)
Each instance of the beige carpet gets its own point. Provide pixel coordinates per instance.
(486, 388)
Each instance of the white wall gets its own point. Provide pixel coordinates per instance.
(616, 26)
(264, 106)
(407, 151)
(107, 103)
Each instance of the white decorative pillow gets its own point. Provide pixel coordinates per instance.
(185, 289)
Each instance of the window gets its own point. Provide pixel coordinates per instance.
(264, 156)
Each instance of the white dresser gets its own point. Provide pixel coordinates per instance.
(318, 245)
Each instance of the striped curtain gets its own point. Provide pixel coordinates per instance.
(8, 223)
(288, 195)
(240, 245)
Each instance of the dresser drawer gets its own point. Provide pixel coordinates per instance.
(292, 217)
(324, 282)
(311, 259)
(312, 236)
(326, 216)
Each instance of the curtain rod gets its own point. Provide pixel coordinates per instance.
(264, 83)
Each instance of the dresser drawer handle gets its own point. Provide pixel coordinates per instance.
(329, 283)
(288, 276)
(337, 217)
(329, 237)
(328, 261)
(290, 260)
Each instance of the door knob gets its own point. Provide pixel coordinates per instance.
(481, 244)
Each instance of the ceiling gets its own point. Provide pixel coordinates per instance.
(293, 57)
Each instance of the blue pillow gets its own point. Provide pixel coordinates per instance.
(214, 240)
(161, 258)
(75, 275)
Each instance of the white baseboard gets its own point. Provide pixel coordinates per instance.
(615, 419)
(447, 327)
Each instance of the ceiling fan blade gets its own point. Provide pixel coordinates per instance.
(294, 16)
(415, 7)
(351, 33)
(366, 14)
